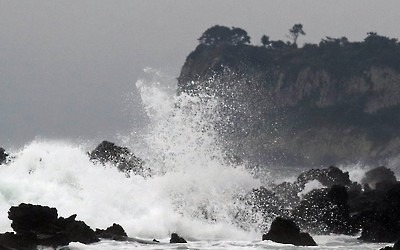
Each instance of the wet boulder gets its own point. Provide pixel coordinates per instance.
(287, 232)
(40, 225)
(175, 238)
(115, 232)
(122, 157)
(76, 231)
(28, 218)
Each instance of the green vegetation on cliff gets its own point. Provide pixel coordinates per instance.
(337, 56)
(336, 101)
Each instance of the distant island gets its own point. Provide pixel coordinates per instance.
(320, 104)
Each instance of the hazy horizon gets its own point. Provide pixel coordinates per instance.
(68, 68)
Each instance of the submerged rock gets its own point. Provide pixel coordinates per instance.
(287, 232)
(175, 238)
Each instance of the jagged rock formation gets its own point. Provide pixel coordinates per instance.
(115, 232)
(323, 104)
(340, 207)
(36, 225)
(119, 156)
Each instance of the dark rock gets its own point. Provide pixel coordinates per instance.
(3, 156)
(380, 221)
(338, 195)
(396, 245)
(328, 177)
(175, 238)
(40, 225)
(20, 242)
(115, 232)
(325, 211)
(369, 199)
(76, 231)
(378, 227)
(379, 175)
(121, 157)
(28, 218)
(360, 200)
(287, 232)
(383, 187)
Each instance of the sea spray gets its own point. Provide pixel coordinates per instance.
(61, 175)
(194, 190)
(185, 152)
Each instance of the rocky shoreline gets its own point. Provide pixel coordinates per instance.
(36, 225)
(320, 201)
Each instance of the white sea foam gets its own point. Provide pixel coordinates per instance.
(310, 186)
(193, 190)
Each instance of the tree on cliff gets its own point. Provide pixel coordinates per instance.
(296, 31)
(376, 41)
(224, 35)
(265, 41)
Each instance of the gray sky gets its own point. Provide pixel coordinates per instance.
(66, 66)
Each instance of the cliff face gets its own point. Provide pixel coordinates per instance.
(378, 87)
(308, 106)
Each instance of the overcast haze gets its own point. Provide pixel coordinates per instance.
(67, 67)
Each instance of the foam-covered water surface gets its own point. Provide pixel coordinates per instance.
(324, 243)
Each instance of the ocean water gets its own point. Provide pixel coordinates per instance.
(324, 243)
(193, 190)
